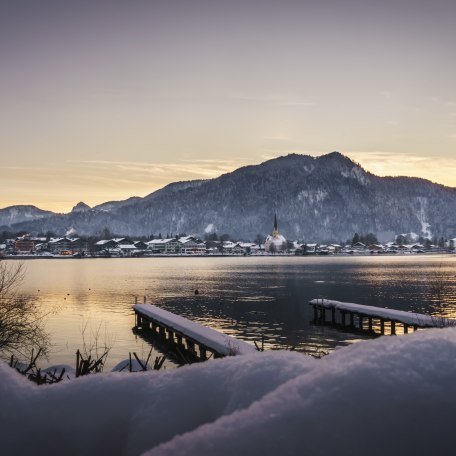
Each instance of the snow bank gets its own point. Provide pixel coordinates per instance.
(222, 343)
(410, 318)
(391, 395)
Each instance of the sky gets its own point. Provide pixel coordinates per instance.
(110, 99)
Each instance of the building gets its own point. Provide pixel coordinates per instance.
(164, 246)
(24, 244)
(66, 246)
(275, 242)
(192, 246)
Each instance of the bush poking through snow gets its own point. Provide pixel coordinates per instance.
(21, 326)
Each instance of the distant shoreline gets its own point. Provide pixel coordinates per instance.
(335, 255)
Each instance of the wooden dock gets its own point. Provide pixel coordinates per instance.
(366, 318)
(198, 341)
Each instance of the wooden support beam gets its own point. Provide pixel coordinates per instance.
(382, 326)
(191, 346)
(352, 320)
(405, 328)
(342, 318)
(315, 313)
(415, 327)
(203, 353)
(322, 314)
(393, 328)
(333, 315)
(370, 323)
(360, 321)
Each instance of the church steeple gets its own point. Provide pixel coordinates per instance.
(275, 231)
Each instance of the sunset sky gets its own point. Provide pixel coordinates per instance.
(103, 100)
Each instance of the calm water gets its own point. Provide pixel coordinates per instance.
(244, 297)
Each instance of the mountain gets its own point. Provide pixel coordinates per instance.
(112, 205)
(21, 213)
(316, 198)
(81, 207)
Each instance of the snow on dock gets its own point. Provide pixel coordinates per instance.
(362, 312)
(179, 328)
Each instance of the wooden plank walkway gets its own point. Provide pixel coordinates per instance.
(363, 317)
(199, 340)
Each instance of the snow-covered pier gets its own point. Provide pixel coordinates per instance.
(363, 317)
(200, 341)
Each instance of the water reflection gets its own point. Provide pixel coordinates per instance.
(243, 297)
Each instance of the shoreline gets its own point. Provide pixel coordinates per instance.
(337, 255)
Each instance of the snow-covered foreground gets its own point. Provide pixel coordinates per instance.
(393, 395)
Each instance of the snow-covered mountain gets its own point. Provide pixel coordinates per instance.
(81, 207)
(21, 213)
(316, 198)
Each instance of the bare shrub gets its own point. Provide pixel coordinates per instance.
(21, 322)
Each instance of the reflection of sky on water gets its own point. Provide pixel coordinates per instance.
(244, 297)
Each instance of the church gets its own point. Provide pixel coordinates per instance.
(275, 242)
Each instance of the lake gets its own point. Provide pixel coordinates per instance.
(246, 297)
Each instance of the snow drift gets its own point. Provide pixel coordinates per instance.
(393, 395)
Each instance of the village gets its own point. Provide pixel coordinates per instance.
(27, 246)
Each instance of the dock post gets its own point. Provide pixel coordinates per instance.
(191, 347)
(382, 326)
(136, 299)
(393, 328)
(203, 354)
(333, 315)
(415, 328)
(322, 314)
(342, 318)
(144, 299)
(315, 313)
(405, 328)
(352, 320)
(370, 323)
(360, 321)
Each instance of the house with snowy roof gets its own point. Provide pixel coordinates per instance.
(164, 246)
(106, 244)
(191, 245)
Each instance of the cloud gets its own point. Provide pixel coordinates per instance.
(386, 94)
(277, 100)
(436, 169)
(59, 187)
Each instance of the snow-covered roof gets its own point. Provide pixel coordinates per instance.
(55, 240)
(104, 241)
(186, 239)
(245, 245)
(228, 245)
(127, 246)
(160, 241)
